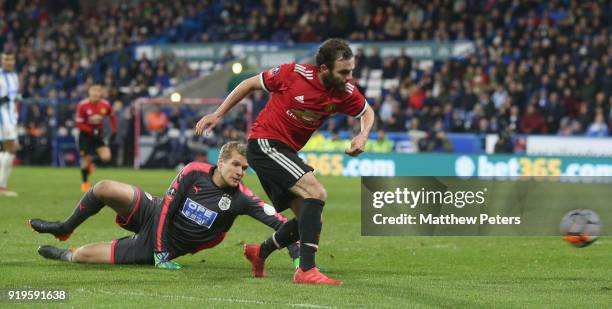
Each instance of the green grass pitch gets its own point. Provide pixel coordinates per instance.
(392, 272)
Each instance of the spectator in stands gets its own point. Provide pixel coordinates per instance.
(259, 100)
(403, 65)
(599, 127)
(397, 121)
(389, 69)
(386, 109)
(532, 122)
(435, 141)
(504, 143)
(571, 103)
(499, 96)
(416, 97)
(335, 143)
(415, 133)
(236, 135)
(567, 126)
(600, 103)
(374, 61)
(584, 117)
(455, 123)
(382, 144)
(553, 112)
(36, 142)
(483, 126)
(156, 120)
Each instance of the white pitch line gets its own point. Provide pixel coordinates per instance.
(228, 300)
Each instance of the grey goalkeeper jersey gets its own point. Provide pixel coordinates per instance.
(196, 214)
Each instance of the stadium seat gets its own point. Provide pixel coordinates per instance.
(390, 83)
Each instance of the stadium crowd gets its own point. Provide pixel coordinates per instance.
(533, 71)
(64, 47)
(538, 67)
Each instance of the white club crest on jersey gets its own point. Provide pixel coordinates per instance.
(269, 209)
(225, 202)
(300, 99)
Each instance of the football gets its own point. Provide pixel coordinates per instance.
(580, 227)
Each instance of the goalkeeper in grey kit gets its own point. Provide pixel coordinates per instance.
(195, 213)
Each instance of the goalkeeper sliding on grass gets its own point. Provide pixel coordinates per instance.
(196, 213)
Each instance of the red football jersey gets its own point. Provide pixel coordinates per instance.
(299, 104)
(90, 115)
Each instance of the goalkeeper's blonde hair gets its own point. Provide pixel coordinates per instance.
(228, 148)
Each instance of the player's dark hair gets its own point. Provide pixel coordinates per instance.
(9, 52)
(228, 148)
(332, 50)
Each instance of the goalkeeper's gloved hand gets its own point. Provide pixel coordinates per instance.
(162, 261)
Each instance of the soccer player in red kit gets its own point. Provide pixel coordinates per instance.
(302, 97)
(89, 119)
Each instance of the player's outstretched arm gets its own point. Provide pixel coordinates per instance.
(359, 141)
(208, 122)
